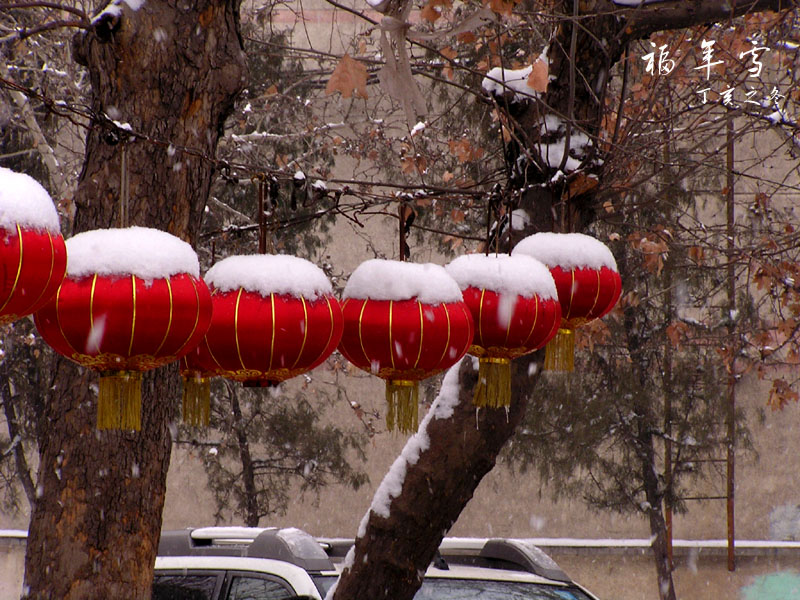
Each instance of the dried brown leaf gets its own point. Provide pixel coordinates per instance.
(349, 76)
(539, 77)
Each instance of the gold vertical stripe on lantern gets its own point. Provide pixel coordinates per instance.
(133, 313)
(391, 343)
(330, 330)
(305, 331)
(402, 399)
(272, 341)
(19, 270)
(196, 313)
(52, 267)
(169, 322)
(91, 305)
(447, 341)
(119, 400)
(494, 382)
(196, 400)
(236, 328)
(560, 352)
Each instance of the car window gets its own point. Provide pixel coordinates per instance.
(467, 589)
(244, 587)
(184, 586)
(324, 583)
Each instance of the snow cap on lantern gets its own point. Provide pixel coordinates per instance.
(515, 307)
(132, 301)
(587, 281)
(33, 257)
(403, 322)
(275, 317)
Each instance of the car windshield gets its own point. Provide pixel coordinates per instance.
(464, 589)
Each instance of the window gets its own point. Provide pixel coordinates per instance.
(258, 588)
(481, 589)
(467, 589)
(182, 586)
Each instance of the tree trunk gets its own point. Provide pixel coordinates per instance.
(171, 72)
(655, 515)
(391, 554)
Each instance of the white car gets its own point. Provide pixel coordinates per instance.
(242, 563)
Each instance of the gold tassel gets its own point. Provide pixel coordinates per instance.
(196, 400)
(560, 352)
(494, 382)
(119, 400)
(402, 398)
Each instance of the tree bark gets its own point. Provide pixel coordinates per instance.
(171, 72)
(655, 515)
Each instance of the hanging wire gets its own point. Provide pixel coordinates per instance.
(84, 117)
(265, 229)
(259, 180)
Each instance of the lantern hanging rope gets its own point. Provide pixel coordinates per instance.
(275, 317)
(514, 304)
(132, 301)
(34, 256)
(403, 322)
(587, 281)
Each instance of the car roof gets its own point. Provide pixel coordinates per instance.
(489, 558)
(499, 554)
(289, 544)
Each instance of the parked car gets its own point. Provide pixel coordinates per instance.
(241, 563)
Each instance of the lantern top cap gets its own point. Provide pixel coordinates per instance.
(146, 253)
(567, 250)
(24, 202)
(267, 274)
(520, 275)
(380, 279)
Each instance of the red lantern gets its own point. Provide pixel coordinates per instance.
(403, 322)
(275, 317)
(33, 257)
(515, 307)
(587, 281)
(132, 301)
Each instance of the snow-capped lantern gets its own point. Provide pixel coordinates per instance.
(33, 257)
(132, 301)
(403, 322)
(196, 397)
(275, 317)
(587, 281)
(514, 304)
